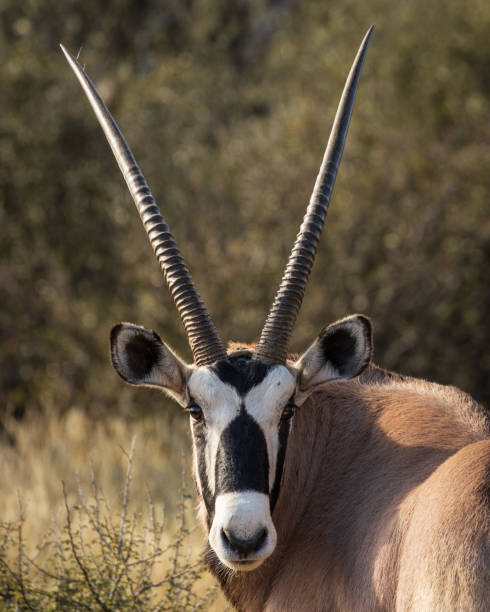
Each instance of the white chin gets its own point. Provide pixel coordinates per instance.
(242, 566)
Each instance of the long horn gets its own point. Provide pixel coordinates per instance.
(274, 340)
(203, 338)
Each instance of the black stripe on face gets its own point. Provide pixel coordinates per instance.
(242, 463)
(200, 445)
(284, 429)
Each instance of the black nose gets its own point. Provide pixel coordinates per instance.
(244, 547)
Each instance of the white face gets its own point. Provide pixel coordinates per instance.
(243, 408)
(241, 413)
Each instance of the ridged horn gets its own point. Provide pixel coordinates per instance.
(274, 340)
(203, 337)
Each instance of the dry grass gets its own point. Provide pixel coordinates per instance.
(91, 459)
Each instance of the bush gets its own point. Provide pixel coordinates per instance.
(102, 559)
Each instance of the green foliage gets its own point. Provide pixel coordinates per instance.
(227, 107)
(102, 559)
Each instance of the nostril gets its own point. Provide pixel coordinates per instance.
(241, 546)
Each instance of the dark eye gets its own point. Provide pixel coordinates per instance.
(288, 411)
(195, 412)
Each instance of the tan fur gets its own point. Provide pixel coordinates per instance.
(385, 504)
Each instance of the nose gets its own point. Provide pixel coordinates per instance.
(244, 547)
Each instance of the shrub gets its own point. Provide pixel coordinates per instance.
(101, 559)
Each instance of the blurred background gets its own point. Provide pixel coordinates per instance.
(227, 107)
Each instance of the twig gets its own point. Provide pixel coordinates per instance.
(20, 553)
(5, 540)
(170, 578)
(119, 572)
(77, 558)
(157, 532)
(94, 518)
(122, 530)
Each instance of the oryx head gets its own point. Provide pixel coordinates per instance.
(241, 404)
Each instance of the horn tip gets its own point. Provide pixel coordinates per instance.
(368, 35)
(66, 53)
(69, 57)
(73, 61)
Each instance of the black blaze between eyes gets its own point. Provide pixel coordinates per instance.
(241, 372)
(242, 463)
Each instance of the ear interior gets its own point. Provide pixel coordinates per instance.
(141, 358)
(343, 348)
(141, 353)
(341, 351)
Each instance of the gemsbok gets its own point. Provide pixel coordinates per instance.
(325, 482)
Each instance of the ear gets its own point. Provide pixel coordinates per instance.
(342, 350)
(141, 358)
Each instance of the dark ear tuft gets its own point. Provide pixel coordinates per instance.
(135, 351)
(347, 345)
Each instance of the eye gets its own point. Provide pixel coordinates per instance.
(195, 412)
(288, 411)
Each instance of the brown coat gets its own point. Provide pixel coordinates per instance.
(385, 503)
